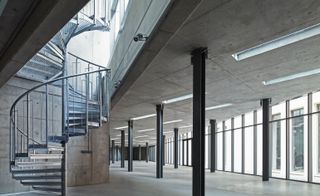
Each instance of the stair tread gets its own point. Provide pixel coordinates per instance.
(50, 189)
(28, 171)
(36, 182)
(35, 177)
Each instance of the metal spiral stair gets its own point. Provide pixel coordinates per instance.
(71, 101)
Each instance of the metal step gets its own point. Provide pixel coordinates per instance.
(45, 156)
(35, 171)
(48, 189)
(22, 154)
(37, 164)
(41, 183)
(37, 146)
(36, 177)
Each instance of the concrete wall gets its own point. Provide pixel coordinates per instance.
(88, 168)
(8, 93)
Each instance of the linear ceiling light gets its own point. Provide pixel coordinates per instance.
(278, 42)
(144, 130)
(187, 126)
(141, 136)
(143, 117)
(118, 128)
(181, 98)
(218, 106)
(172, 121)
(292, 77)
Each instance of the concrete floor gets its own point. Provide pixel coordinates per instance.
(176, 182)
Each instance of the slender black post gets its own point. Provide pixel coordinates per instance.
(139, 152)
(163, 150)
(159, 163)
(147, 152)
(175, 148)
(112, 151)
(130, 145)
(117, 153)
(213, 145)
(122, 148)
(265, 138)
(198, 61)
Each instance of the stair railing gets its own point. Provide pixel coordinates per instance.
(37, 115)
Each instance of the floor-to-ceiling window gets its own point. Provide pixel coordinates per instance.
(276, 142)
(297, 141)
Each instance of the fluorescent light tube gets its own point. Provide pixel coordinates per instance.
(173, 100)
(218, 106)
(143, 117)
(172, 121)
(141, 136)
(144, 130)
(118, 128)
(278, 42)
(187, 126)
(291, 77)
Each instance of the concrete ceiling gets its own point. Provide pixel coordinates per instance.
(26, 26)
(225, 27)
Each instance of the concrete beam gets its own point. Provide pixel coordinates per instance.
(42, 22)
(173, 18)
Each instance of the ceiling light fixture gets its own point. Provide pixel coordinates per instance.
(172, 121)
(278, 42)
(144, 130)
(141, 136)
(291, 77)
(118, 128)
(143, 117)
(187, 126)
(177, 99)
(218, 106)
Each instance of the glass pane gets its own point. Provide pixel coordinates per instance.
(219, 151)
(297, 158)
(237, 150)
(276, 142)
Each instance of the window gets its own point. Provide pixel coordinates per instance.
(276, 142)
(297, 140)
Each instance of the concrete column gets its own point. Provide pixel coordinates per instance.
(122, 148)
(198, 61)
(159, 161)
(130, 145)
(175, 148)
(265, 139)
(117, 153)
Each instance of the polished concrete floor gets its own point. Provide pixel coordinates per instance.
(176, 182)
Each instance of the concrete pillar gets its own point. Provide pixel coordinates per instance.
(147, 152)
(175, 148)
(159, 161)
(130, 145)
(213, 145)
(122, 148)
(139, 152)
(265, 139)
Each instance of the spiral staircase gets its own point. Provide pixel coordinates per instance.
(71, 100)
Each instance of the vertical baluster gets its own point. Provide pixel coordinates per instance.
(47, 115)
(27, 123)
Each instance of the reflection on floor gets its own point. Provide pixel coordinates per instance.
(177, 182)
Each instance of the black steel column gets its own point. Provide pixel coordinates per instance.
(117, 153)
(159, 163)
(147, 152)
(139, 152)
(130, 145)
(213, 146)
(198, 61)
(122, 148)
(163, 150)
(175, 161)
(112, 151)
(265, 139)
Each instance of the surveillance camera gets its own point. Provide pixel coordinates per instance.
(140, 37)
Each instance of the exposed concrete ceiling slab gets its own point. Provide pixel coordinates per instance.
(226, 27)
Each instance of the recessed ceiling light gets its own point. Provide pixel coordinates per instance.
(291, 77)
(118, 128)
(143, 117)
(187, 126)
(172, 121)
(144, 130)
(218, 106)
(278, 42)
(181, 98)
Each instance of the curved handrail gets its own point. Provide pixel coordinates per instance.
(49, 82)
